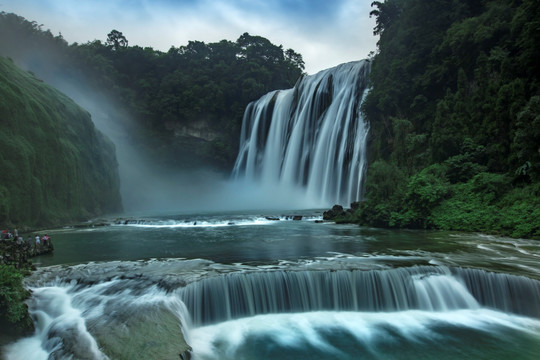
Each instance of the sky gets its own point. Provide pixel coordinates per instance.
(325, 32)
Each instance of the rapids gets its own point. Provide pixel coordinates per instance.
(337, 292)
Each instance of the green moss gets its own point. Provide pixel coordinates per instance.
(56, 166)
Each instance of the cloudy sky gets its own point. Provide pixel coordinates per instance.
(325, 32)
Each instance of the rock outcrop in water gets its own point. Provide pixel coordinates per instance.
(18, 255)
(337, 212)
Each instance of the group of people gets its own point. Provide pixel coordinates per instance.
(38, 243)
(8, 235)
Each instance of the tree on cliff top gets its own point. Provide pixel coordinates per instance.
(116, 40)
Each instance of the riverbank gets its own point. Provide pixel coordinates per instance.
(468, 214)
(15, 321)
(18, 255)
(15, 263)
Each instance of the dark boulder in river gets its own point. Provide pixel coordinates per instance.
(337, 210)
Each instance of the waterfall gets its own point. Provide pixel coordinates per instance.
(166, 308)
(236, 295)
(309, 139)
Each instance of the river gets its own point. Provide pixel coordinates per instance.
(264, 286)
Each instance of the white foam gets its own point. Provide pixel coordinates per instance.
(57, 322)
(201, 224)
(218, 222)
(371, 329)
(28, 348)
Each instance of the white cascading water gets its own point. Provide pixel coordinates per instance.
(235, 295)
(146, 309)
(311, 138)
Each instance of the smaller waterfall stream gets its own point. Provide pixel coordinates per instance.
(426, 288)
(309, 139)
(94, 311)
(405, 313)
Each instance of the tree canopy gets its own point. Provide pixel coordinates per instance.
(116, 40)
(168, 93)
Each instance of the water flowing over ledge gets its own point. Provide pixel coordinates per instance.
(215, 292)
(96, 310)
(311, 138)
(427, 288)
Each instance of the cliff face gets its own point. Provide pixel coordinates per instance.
(200, 129)
(54, 165)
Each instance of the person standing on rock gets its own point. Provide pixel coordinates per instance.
(38, 243)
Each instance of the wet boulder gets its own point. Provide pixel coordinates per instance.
(336, 211)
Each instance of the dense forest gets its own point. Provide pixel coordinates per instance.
(55, 166)
(187, 103)
(454, 115)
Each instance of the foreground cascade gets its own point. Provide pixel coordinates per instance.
(169, 309)
(310, 138)
(426, 288)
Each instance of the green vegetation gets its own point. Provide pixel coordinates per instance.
(188, 102)
(14, 317)
(454, 116)
(453, 110)
(54, 165)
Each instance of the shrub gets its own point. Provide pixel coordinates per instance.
(425, 191)
(383, 181)
(12, 295)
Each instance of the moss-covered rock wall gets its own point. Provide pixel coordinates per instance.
(55, 166)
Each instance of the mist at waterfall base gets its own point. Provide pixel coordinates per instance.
(149, 187)
(300, 148)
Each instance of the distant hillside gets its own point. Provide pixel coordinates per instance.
(54, 165)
